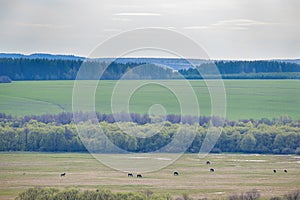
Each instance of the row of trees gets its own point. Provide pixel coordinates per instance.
(244, 69)
(140, 119)
(246, 137)
(62, 69)
(67, 194)
(46, 69)
(54, 194)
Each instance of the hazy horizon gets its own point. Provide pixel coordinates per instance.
(226, 29)
(146, 57)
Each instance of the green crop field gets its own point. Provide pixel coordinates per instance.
(245, 99)
(234, 174)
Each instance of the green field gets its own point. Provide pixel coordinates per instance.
(245, 98)
(234, 174)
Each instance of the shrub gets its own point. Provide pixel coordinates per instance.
(275, 198)
(250, 195)
(5, 79)
(276, 151)
(293, 195)
(70, 194)
(216, 150)
(67, 195)
(235, 197)
(253, 194)
(38, 194)
(186, 197)
(287, 151)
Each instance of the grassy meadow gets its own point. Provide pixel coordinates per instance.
(245, 98)
(234, 174)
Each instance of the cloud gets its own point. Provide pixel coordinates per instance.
(137, 14)
(239, 23)
(196, 27)
(111, 30)
(234, 24)
(64, 25)
(121, 19)
(41, 25)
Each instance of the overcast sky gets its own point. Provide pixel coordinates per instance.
(226, 29)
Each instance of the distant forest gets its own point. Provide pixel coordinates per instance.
(56, 69)
(63, 69)
(57, 133)
(245, 70)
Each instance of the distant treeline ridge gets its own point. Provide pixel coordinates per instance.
(62, 69)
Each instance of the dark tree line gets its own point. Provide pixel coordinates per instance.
(62, 69)
(39, 69)
(45, 69)
(280, 136)
(244, 69)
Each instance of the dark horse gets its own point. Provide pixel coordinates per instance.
(130, 175)
(63, 174)
(176, 173)
(139, 176)
(208, 162)
(212, 170)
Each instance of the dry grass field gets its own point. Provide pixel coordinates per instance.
(234, 174)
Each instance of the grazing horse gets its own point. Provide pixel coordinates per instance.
(285, 171)
(130, 175)
(208, 162)
(212, 170)
(139, 176)
(176, 173)
(63, 174)
(274, 171)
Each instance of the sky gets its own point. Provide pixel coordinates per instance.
(225, 29)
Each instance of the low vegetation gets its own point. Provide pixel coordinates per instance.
(255, 195)
(73, 194)
(5, 79)
(55, 194)
(57, 133)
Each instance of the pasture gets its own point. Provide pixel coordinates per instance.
(245, 98)
(234, 174)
